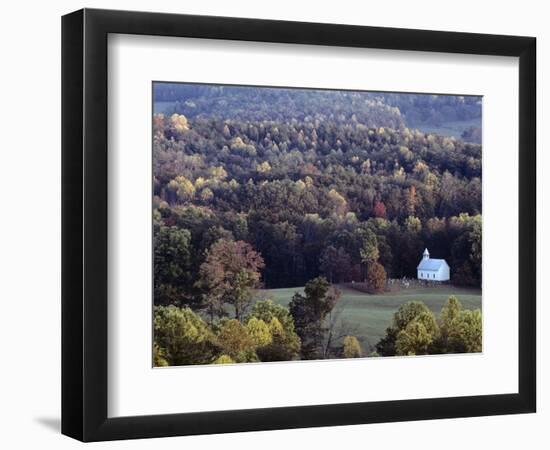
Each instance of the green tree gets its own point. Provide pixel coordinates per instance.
(418, 335)
(465, 333)
(259, 332)
(408, 312)
(309, 312)
(213, 234)
(183, 336)
(284, 345)
(464, 275)
(172, 266)
(336, 264)
(413, 339)
(449, 313)
(369, 247)
(475, 243)
(413, 224)
(159, 356)
(236, 342)
(352, 347)
(386, 345)
(466, 249)
(266, 310)
(415, 331)
(460, 329)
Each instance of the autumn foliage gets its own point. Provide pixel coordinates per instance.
(376, 277)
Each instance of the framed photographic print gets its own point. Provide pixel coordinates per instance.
(276, 225)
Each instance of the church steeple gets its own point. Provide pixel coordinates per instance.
(426, 254)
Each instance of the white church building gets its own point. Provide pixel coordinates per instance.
(431, 269)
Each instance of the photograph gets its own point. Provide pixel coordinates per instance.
(307, 224)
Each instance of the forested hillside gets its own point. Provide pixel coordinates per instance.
(302, 187)
(376, 109)
(295, 184)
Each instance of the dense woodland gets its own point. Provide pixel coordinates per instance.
(273, 188)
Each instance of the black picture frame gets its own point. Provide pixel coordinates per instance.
(84, 224)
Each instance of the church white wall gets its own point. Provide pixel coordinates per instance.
(444, 273)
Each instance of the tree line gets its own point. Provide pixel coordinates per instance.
(250, 103)
(298, 208)
(271, 332)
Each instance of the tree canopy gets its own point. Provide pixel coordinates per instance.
(267, 188)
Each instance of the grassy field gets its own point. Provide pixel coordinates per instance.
(453, 128)
(367, 316)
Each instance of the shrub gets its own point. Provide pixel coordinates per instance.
(352, 347)
(223, 359)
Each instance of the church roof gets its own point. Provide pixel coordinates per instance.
(431, 264)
